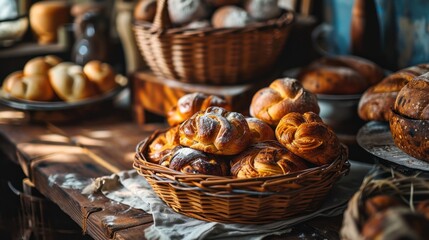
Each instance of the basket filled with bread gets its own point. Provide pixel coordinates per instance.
(211, 42)
(48, 87)
(388, 205)
(217, 165)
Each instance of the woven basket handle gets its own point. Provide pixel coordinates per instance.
(162, 18)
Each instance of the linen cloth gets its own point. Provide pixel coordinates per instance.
(129, 188)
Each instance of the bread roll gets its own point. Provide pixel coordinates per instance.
(185, 11)
(262, 10)
(266, 159)
(163, 144)
(377, 101)
(191, 103)
(33, 87)
(216, 131)
(70, 83)
(308, 137)
(230, 17)
(188, 160)
(101, 74)
(280, 98)
(40, 65)
(413, 99)
(260, 130)
(340, 75)
(145, 10)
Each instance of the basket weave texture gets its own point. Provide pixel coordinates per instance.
(218, 56)
(409, 188)
(231, 200)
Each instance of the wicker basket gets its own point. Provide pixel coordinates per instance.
(232, 200)
(211, 55)
(411, 189)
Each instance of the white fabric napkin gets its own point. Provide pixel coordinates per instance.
(129, 188)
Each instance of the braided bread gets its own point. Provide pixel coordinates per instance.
(163, 144)
(281, 97)
(377, 102)
(188, 160)
(308, 137)
(191, 103)
(216, 131)
(266, 159)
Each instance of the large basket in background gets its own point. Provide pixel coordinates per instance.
(409, 188)
(232, 200)
(211, 55)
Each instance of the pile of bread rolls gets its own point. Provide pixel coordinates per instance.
(389, 217)
(48, 78)
(284, 134)
(402, 100)
(211, 13)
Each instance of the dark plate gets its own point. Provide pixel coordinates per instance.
(376, 138)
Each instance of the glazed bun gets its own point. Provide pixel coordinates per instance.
(145, 10)
(70, 83)
(40, 65)
(262, 10)
(101, 74)
(377, 101)
(280, 98)
(188, 160)
(266, 159)
(308, 137)
(191, 103)
(260, 130)
(162, 145)
(216, 131)
(340, 75)
(230, 17)
(34, 87)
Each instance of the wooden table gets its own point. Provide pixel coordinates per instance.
(52, 156)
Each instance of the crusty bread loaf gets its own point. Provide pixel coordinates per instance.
(308, 137)
(266, 159)
(413, 99)
(216, 131)
(340, 75)
(377, 101)
(191, 103)
(280, 98)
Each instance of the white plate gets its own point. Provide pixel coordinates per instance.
(376, 138)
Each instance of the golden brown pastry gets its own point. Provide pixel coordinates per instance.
(280, 98)
(266, 159)
(34, 87)
(40, 65)
(260, 130)
(188, 160)
(308, 137)
(70, 83)
(191, 103)
(410, 118)
(380, 203)
(102, 74)
(162, 145)
(216, 131)
(377, 101)
(340, 75)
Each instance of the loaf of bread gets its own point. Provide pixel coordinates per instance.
(280, 98)
(266, 159)
(188, 160)
(216, 131)
(340, 75)
(101, 74)
(410, 118)
(70, 83)
(32, 87)
(308, 137)
(191, 103)
(260, 130)
(377, 101)
(163, 144)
